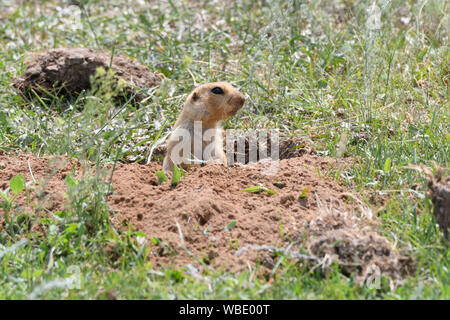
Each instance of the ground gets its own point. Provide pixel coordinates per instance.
(363, 97)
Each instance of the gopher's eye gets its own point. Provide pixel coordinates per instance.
(217, 90)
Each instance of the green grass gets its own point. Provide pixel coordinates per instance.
(309, 67)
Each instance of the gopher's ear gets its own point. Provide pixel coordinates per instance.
(195, 96)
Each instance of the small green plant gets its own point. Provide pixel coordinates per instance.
(279, 185)
(387, 165)
(176, 176)
(87, 198)
(155, 240)
(230, 226)
(259, 189)
(234, 244)
(16, 185)
(305, 192)
(161, 176)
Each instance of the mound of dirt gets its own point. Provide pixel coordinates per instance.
(439, 191)
(208, 218)
(339, 237)
(71, 69)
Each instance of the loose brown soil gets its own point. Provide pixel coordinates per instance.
(71, 69)
(193, 220)
(439, 190)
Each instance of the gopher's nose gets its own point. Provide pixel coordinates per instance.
(241, 100)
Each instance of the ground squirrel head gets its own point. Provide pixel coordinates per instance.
(208, 104)
(212, 102)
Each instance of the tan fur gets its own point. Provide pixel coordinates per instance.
(209, 108)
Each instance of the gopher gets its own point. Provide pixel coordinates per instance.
(197, 137)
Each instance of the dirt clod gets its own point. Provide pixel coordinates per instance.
(71, 69)
(336, 237)
(439, 186)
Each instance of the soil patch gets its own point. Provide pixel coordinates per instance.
(71, 68)
(207, 218)
(439, 191)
